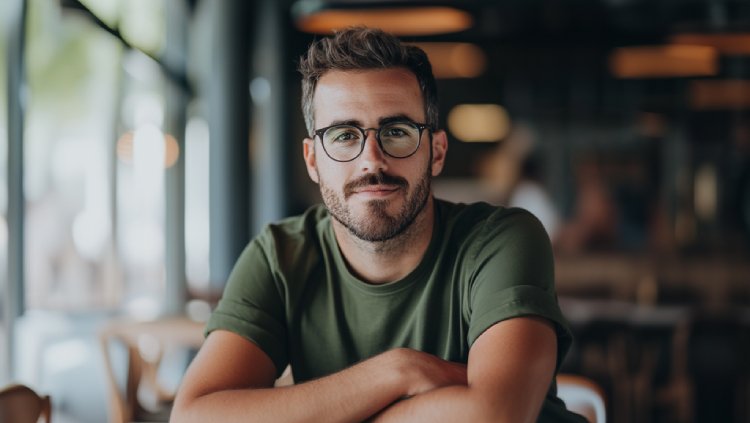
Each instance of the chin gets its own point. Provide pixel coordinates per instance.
(379, 208)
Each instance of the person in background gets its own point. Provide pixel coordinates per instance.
(510, 174)
(593, 225)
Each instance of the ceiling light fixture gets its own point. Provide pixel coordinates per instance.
(455, 60)
(724, 94)
(319, 17)
(479, 122)
(731, 44)
(664, 61)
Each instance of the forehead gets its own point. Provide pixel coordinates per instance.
(367, 95)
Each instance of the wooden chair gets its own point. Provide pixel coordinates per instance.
(20, 404)
(145, 343)
(583, 396)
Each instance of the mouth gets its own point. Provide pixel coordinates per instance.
(376, 191)
(376, 185)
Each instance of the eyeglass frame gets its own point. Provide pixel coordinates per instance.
(420, 126)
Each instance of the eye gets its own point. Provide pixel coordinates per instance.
(344, 136)
(399, 131)
(395, 132)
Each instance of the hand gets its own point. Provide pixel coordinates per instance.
(424, 372)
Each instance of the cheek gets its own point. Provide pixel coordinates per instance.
(423, 160)
(413, 171)
(330, 175)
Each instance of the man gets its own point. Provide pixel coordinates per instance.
(388, 304)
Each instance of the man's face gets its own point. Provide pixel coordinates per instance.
(375, 196)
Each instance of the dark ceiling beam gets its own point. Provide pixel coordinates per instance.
(178, 76)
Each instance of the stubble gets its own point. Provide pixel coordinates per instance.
(376, 225)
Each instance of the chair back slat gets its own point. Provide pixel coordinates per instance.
(20, 404)
(583, 396)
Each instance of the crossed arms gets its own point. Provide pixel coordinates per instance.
(510, 368)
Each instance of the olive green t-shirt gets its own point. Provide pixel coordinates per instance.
(291, 293)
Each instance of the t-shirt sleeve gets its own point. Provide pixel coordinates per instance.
(252, 307)
(513, 275)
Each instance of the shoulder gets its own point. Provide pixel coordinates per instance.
(481, 224)
(296, 227)
(281, 246)
(480, 212)
(505, 246)
(296, 234)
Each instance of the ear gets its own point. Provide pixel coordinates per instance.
(439, 148)
(308, 148)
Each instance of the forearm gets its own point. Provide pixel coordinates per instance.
(511, 366)
(448, 404)
(352, 395)
(459, 404)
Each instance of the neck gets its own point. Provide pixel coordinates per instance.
(388, 261)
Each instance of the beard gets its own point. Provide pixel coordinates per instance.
(377, 225)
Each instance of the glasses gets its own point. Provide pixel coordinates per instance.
(344, 143)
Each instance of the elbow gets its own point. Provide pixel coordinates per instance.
(178, 414)
(181, 409)
(494, 410)
(494, 416)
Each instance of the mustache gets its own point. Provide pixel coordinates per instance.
(379, 178)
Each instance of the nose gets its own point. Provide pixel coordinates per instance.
(373, 157)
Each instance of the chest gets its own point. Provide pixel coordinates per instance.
(337, 325)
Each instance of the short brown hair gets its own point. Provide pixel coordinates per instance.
(365, 48)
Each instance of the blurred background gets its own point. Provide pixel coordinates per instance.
(144, 142)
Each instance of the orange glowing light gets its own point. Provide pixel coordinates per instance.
(733, 44)
(705, 193)
(124, 149)
(727, 94)
(479, 122)
(401, 21)
(455, 60)
(664, 61)
(173, 151)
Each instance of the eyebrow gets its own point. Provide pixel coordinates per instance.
(353, 122)
(382, 121)
(397, 118)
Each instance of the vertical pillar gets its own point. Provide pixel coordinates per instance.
(269, 135)
(228, 100)
(175, 57)
(14, 300)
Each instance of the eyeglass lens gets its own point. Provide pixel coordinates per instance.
(344, 142)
